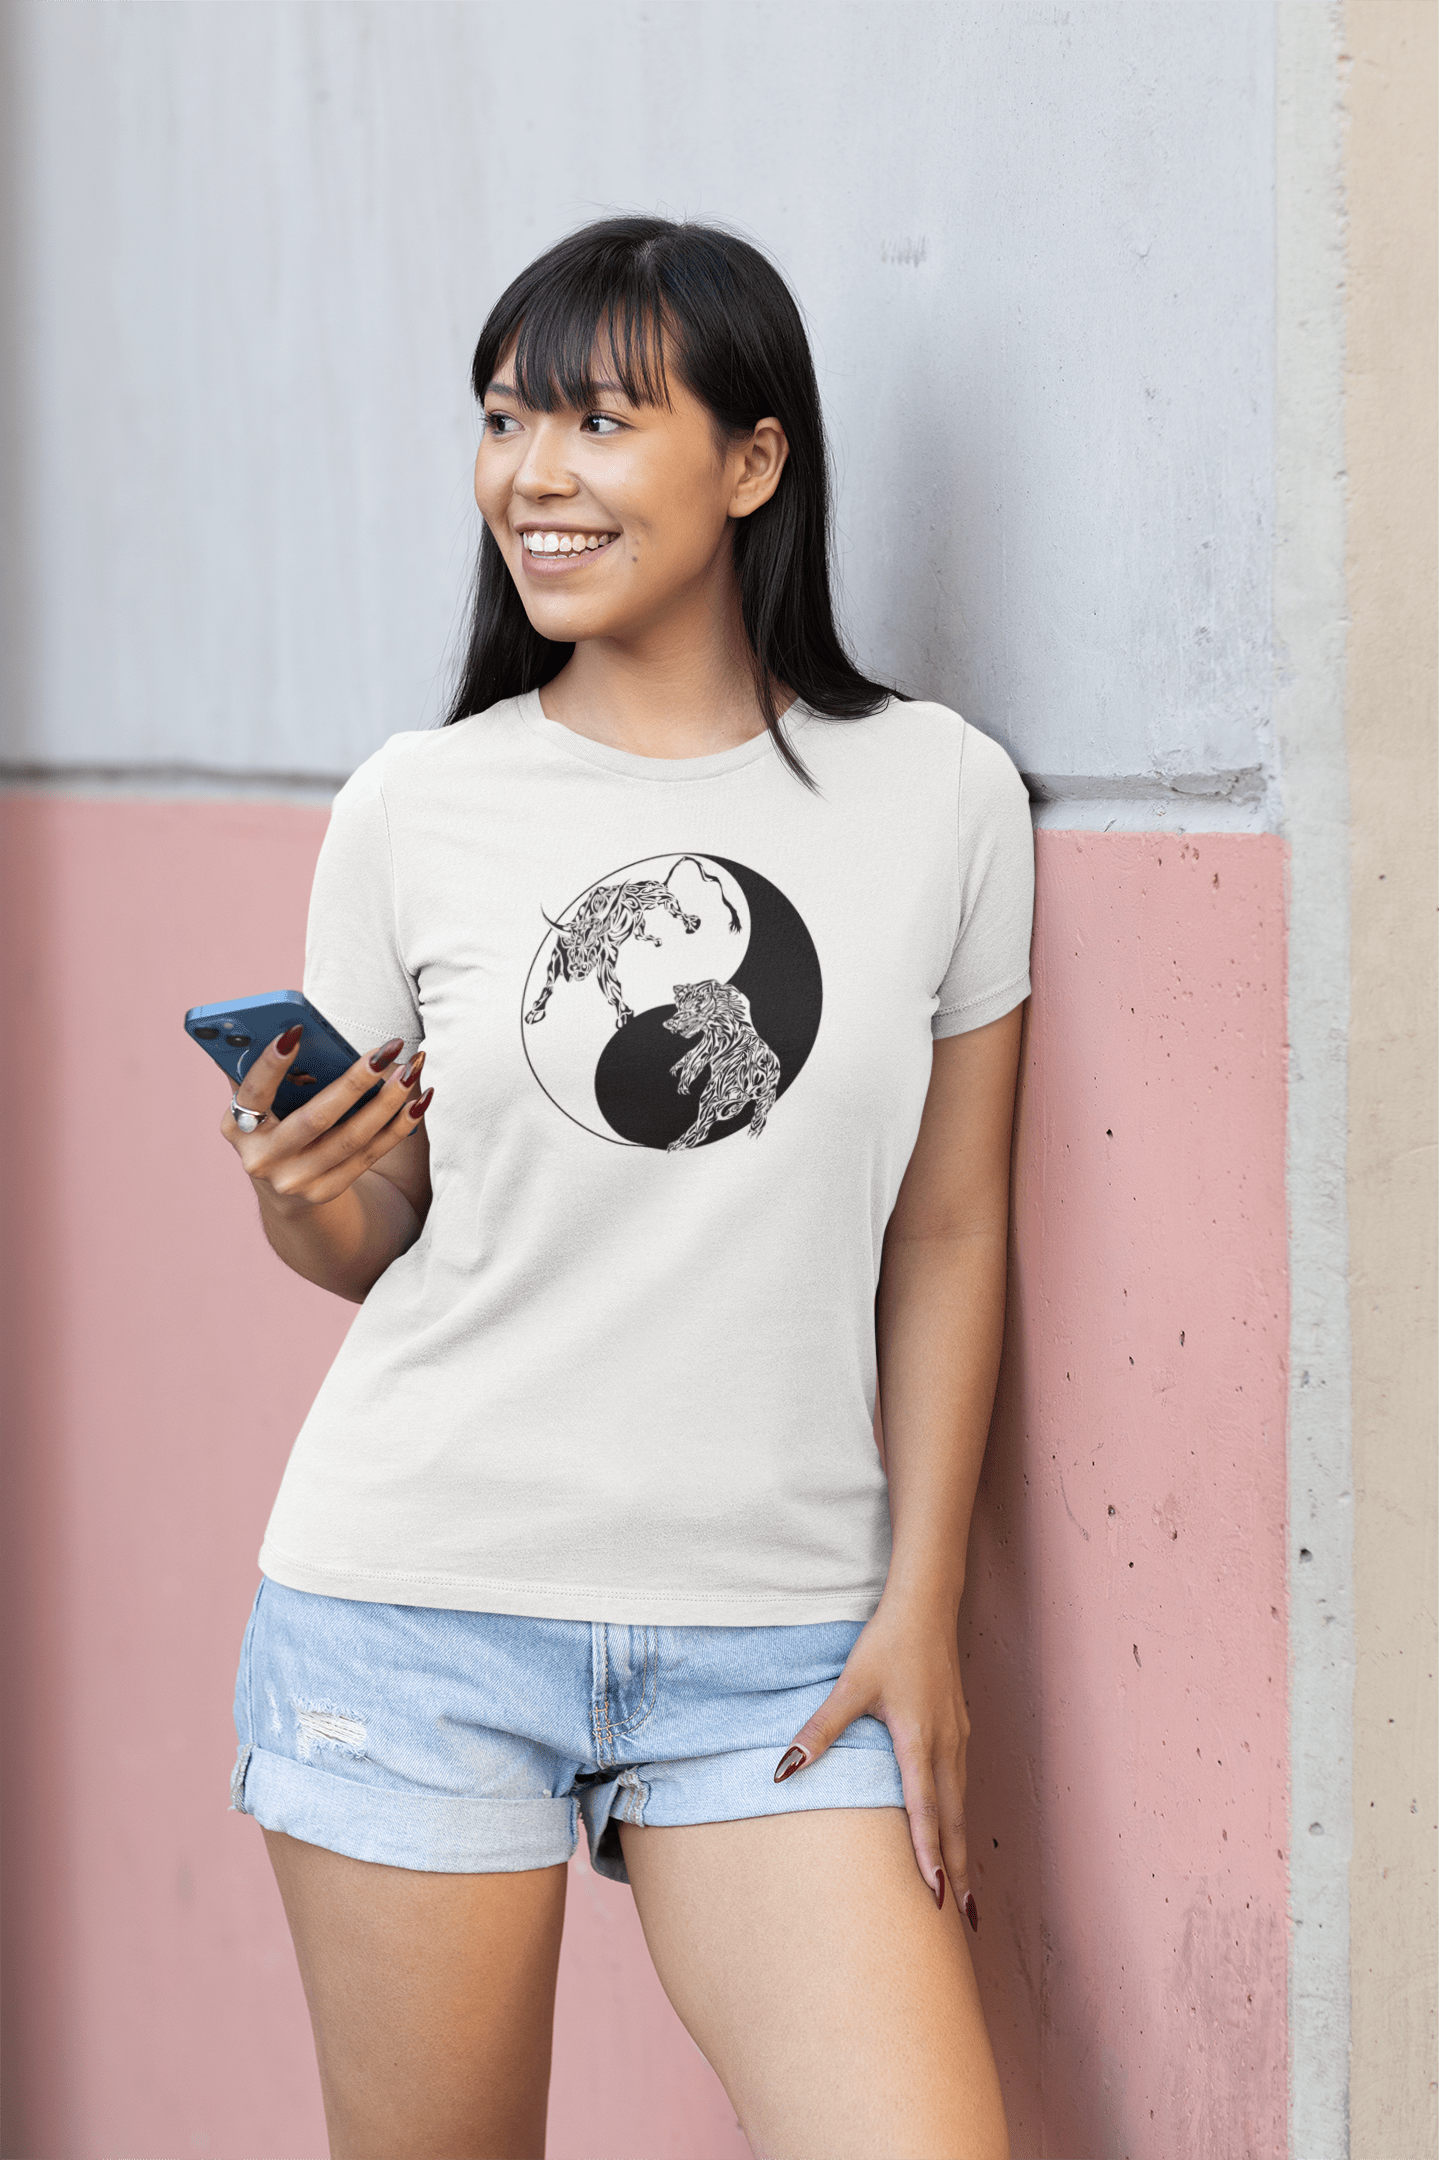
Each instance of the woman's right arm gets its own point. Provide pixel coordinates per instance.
(338, 1202)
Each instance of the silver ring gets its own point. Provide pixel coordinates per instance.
(247, 1120)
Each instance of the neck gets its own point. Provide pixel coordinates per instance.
(677, 689)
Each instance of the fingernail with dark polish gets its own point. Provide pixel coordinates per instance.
(792, 1760)
(972, 1912)
(940, 1889)
(286, 1042)
(387, 1053)
(421, 1104)
(412, 1071)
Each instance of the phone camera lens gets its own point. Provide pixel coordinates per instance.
(238, 1042)
(206, 1034)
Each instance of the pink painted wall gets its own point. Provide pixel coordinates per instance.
(1126, 1596)
(160, 1361)
(1127, 1671)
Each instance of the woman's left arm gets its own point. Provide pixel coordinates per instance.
(939, 1318)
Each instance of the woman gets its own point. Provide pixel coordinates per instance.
(710, 955)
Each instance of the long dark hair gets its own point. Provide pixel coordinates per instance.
(738, 344)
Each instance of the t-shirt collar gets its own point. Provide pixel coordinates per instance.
(634, 767)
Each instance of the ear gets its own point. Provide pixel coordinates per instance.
(761, 462)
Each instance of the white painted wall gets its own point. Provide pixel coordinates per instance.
(1035, 244)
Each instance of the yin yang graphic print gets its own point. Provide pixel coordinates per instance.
(672, 1003)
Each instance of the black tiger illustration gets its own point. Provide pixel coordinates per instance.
(743, 1067)
(607, 916)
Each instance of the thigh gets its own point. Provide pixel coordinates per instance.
(838, 2007)
(432, 1997)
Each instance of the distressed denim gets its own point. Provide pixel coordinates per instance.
(476, 1743)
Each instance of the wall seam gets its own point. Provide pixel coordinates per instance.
(1111, 802)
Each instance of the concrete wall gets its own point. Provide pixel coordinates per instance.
(1075, 276)
(1309, 709)
(1034, 244)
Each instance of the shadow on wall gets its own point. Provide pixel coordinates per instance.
(1029, 1974)
(930, 557)
(1001, 1666)
(1026, 1971)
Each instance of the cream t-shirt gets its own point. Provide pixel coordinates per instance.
(678, 1016)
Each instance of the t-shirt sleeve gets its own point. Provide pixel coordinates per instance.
(989, 971)
(354, 971)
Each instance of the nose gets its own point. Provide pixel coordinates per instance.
(542, 471)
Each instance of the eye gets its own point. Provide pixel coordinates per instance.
(603, 423)
(497, 423)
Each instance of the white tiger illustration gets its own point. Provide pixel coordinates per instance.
(606, 918)
(743, 1067)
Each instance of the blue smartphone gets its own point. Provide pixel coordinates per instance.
(235, 1033)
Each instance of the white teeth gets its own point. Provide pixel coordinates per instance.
(552, 543)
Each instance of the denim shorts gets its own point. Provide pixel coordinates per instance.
(476, 1743)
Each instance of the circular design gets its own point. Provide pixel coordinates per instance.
(672, 1003)
(248, 1120)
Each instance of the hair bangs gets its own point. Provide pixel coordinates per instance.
(575, 333)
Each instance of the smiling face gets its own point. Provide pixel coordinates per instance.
(616, 519)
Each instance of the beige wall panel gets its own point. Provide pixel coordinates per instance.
(1390, 725)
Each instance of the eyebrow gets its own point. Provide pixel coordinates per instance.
(505, 389)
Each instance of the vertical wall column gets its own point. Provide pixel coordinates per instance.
(1390, 703)
(1309, 704)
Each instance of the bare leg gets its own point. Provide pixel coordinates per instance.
(837, 2006)
(432, 1999)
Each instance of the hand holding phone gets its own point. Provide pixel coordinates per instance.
(235, 1034)
(324, 1113)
